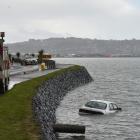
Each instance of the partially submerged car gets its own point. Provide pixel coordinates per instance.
(99, 107)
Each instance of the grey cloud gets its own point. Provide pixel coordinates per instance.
(84, 18)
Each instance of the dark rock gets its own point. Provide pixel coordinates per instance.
(49, 95)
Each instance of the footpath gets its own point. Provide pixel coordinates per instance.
(29, 72)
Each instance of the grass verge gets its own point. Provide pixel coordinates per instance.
(16, 116)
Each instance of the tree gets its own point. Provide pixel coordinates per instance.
(40, 54)
(18, 55)
(33, 55)
(10, 58)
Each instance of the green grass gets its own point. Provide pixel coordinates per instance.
(16, 116)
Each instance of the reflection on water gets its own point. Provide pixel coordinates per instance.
(115, 79)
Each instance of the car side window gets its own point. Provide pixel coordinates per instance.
(111, 107)
(89, 104)
(115, 106)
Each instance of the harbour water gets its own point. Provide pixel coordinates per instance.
(115, 79)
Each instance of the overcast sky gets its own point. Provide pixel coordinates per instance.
(41, 19)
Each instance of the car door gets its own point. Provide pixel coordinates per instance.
(115, 107)
(111, 108)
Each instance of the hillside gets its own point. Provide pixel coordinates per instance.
(67, 47)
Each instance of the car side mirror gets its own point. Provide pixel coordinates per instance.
(119, 108)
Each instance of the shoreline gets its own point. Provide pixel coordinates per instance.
(51, 92)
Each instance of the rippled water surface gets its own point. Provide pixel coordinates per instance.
(115, 79)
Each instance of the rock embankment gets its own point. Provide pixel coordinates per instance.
(51, 92)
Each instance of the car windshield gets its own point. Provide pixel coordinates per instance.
(95, 104)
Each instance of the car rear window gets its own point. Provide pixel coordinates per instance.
(95, 104)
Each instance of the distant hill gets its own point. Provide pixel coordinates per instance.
(78, 47)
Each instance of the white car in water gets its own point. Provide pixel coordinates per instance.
(99, 107)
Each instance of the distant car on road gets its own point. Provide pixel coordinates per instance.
(99, 107)
(29, 61)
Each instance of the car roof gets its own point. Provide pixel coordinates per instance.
(31, 59)
(103, 101)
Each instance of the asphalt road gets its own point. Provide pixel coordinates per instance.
(19, 73)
